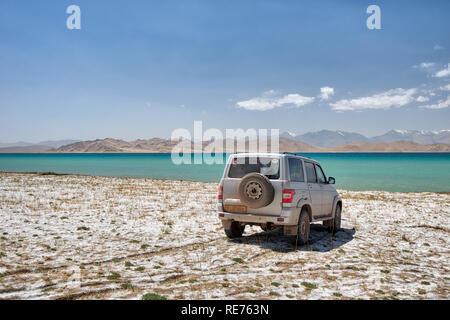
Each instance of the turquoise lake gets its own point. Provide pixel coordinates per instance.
(353, 171)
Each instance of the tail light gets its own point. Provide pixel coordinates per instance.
(220, 194)
(288, 195)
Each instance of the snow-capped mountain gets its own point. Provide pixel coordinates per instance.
(422, 137)
(328, 138)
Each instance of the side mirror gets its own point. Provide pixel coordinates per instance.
(331, 180)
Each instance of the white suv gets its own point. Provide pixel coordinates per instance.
(271, 190)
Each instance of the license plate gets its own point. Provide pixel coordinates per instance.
(236, 209)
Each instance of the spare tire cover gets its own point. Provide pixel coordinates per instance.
(256, 190)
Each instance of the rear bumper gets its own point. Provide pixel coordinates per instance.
(286, 219)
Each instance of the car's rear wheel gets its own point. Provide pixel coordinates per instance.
(236, 230)
(334, 225)
(303, 228)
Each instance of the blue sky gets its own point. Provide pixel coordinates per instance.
(139, 69)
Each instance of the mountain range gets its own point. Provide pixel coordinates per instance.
(154, 145)
(157, 145)
(48, 144)
(320, 141)
(327, 138)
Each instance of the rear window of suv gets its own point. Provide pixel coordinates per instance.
(270, 167)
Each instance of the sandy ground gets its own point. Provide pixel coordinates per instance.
(80, 237)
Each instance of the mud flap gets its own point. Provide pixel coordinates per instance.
(227, 224)
(290, 230)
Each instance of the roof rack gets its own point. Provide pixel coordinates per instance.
(296, 154)
(289, 153)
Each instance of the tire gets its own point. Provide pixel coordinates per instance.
(255, 191)
(334, 225)
(303, 228)
(235, 231)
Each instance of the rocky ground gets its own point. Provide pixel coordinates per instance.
(81, 237)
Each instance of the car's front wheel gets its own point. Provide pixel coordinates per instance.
(236, 230)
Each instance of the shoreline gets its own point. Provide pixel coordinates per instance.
(300, 152)
(50, 173)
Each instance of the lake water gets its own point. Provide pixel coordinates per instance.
(353, 171)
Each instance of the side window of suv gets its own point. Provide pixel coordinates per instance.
(320, 175)
(296, 170)
(310, 172)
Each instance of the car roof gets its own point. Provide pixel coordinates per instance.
(279, 155)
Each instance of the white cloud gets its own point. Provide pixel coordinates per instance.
(438, 47)
(266, 102)
(295, 99)
(445, 88)
(385, 100)
(424, 65)
(422, 99)
(326, 92)
(440, 105)
(443, 73)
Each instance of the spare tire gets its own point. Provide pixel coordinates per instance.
(256, 190)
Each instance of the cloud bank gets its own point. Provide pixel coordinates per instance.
(392, 98)
(267, 102)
